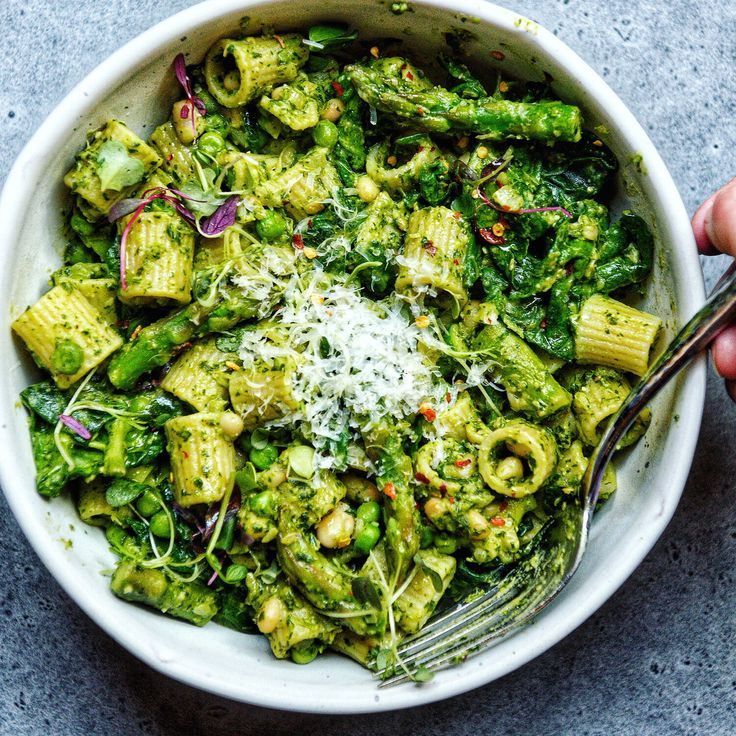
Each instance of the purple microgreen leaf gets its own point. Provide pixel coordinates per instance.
(221, 219)
(180, 69)
(213, 577)
(124, 207)
(195, 103)
(76, 426)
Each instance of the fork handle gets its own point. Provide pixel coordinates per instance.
(713, 316)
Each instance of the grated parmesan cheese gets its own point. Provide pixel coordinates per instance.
(358, 361)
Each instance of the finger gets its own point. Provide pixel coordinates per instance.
(705, 247)
(720, 220)
(723, 352)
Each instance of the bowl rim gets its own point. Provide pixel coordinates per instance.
(17, 196)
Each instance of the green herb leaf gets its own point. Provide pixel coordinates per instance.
(269, 575)
(235, 573)
(422, 674)
(116, 168)
(365, 591)
(331, 37)
(123, 491)
(434, 577)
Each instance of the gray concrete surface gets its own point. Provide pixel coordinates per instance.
(658, 658)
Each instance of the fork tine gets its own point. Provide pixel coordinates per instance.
(470, 627)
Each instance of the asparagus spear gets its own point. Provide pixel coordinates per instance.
(190, 601)
(155, 344)
(400, 514)
(438, 110)
(325, 584)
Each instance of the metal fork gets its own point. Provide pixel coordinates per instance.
(476, 624)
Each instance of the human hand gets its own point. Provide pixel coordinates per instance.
(714, 225)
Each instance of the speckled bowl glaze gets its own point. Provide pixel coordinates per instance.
(137, 84)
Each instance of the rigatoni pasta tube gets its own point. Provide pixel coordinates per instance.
(202, 458)
(534, 446)
(177, 159)
(66, 334)
(239, 70)
(261, 394)
(610, 333)
(158, 259)
(84, 180)
(200, 377)
(435, 249)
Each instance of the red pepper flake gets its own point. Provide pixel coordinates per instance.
(410, 76)
(339, 91)
(170, 157)
(390, 490)
(457, 215)
(456, 262)
(185, 454)
(499, 185)
(421, 478)
(498, 521)
(503, 506)
(280, 40)
(297, 241)
(443, 488)
(448, 397)
(428, 412)
(543, 324)
(430, 247)
(463, 463)
(451, 499)
(420, 111)
(420, 149)
(489, 236)
(498, 55)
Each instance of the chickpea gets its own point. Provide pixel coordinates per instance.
(271, 615)
(231, 424)
(185, 131)
(510, 468)
(333, 109)
(336, 528)
(367, 188)
(360, 490)
(231, 81)
(436, 508)
(478, 527)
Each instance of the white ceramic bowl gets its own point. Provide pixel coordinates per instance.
(136, 84)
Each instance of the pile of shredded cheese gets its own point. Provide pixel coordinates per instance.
(357, 360)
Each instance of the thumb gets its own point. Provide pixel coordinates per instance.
(719, 221)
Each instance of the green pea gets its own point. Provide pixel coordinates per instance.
(444, 544)
(367, 538)
(370, 511)
(147, 504)
(116, 536)
(325, 133)
(159, 524)
(272, 226)
(67, 357)
(304, 652)
(262, 503)
(264, 458)
(211, 143)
